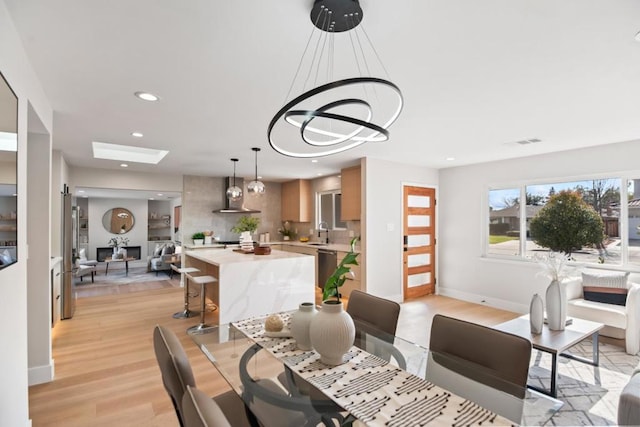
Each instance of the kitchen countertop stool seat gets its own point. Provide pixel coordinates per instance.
(186, 271)
(203, 281)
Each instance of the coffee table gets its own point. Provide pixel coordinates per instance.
(556, 343)
(125, 260)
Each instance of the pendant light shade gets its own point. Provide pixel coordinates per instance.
(256, 187)
(234, 192)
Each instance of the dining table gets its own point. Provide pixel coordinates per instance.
(385, 380)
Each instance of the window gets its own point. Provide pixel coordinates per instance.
(507, 220)
(329, 206)
(633, 221)
(504, 222)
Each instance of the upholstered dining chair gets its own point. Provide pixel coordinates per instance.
(371, 313)
(177, 375)
(493, 357)
(200, 411)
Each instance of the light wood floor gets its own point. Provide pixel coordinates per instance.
(105, 369)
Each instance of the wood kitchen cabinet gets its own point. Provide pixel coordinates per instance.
(351, 194)
(296, 200)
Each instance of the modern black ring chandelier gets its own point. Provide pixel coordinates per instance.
(332, 116)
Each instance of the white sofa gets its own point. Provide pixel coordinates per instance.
(622, 322)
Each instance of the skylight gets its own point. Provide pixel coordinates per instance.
(8, 141)
(102, 150)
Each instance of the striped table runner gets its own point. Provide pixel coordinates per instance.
(370, 388)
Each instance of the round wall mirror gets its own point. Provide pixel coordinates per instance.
(118, 220)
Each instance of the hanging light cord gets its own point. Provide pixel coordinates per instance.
(256, 151)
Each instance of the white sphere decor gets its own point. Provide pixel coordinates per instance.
(332, 333)
(301, 324)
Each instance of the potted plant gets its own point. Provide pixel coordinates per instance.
(116, 243)
(246, 223)
(286, 231)
(332, 331)
(198, 238)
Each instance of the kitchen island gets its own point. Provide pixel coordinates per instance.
(253, 285)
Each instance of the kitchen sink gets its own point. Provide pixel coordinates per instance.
(317, 244)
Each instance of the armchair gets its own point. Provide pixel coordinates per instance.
(621, 321)
(163, 257)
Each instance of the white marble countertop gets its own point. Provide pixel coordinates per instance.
(209, 246)
(228, 256)
(331, 246)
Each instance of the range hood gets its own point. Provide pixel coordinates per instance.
(234, 206)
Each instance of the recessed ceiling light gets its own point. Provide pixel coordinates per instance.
(339, 176)
(151, 198)
(160, 194)
(147, 96)
(314, 161)
(80, 191)
(124, 165)
(450, 159)
(128, 153)
(86, 197)
(319, 174)
(259, 177)
(137, 134)
(15, 194)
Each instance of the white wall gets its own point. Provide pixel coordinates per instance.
(7, 172)
(463, 201)
(99, 237)
(123, 180)
(14, 400)
(41, 366)
(382, 184)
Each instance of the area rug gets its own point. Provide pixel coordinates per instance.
(119, 277)
(590, 394)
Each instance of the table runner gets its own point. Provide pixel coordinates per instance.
(370, 388)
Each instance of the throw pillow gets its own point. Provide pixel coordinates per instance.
(158, 250)
(610, 288)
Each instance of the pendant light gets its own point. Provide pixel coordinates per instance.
(234, 193)
(333, 114)
(256, 187)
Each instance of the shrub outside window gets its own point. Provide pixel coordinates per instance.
(599, 196)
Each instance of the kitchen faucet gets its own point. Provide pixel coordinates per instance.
(326, 228)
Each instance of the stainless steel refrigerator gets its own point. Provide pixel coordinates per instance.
(68, 285)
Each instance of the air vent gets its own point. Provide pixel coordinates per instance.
(524, 142)
(527, 141)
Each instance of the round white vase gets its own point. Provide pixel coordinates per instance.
(556, 302)
(536, 314)
(332, 333)
(300, 324)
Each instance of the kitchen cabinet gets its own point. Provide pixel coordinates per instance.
(351, 194)
(296, 200)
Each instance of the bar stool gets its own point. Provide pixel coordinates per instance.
(186, 270)
(203, 281)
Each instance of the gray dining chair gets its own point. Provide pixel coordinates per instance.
(200, 411)
(371, 314)
(177, 375)
(495, 358)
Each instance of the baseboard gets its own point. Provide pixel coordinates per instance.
(41, 374)
(484, 300)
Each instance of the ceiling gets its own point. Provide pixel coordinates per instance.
(476, 77)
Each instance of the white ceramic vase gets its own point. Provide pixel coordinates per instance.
(301, 323)
(536, 314)
(556, 303)
(332, 333)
